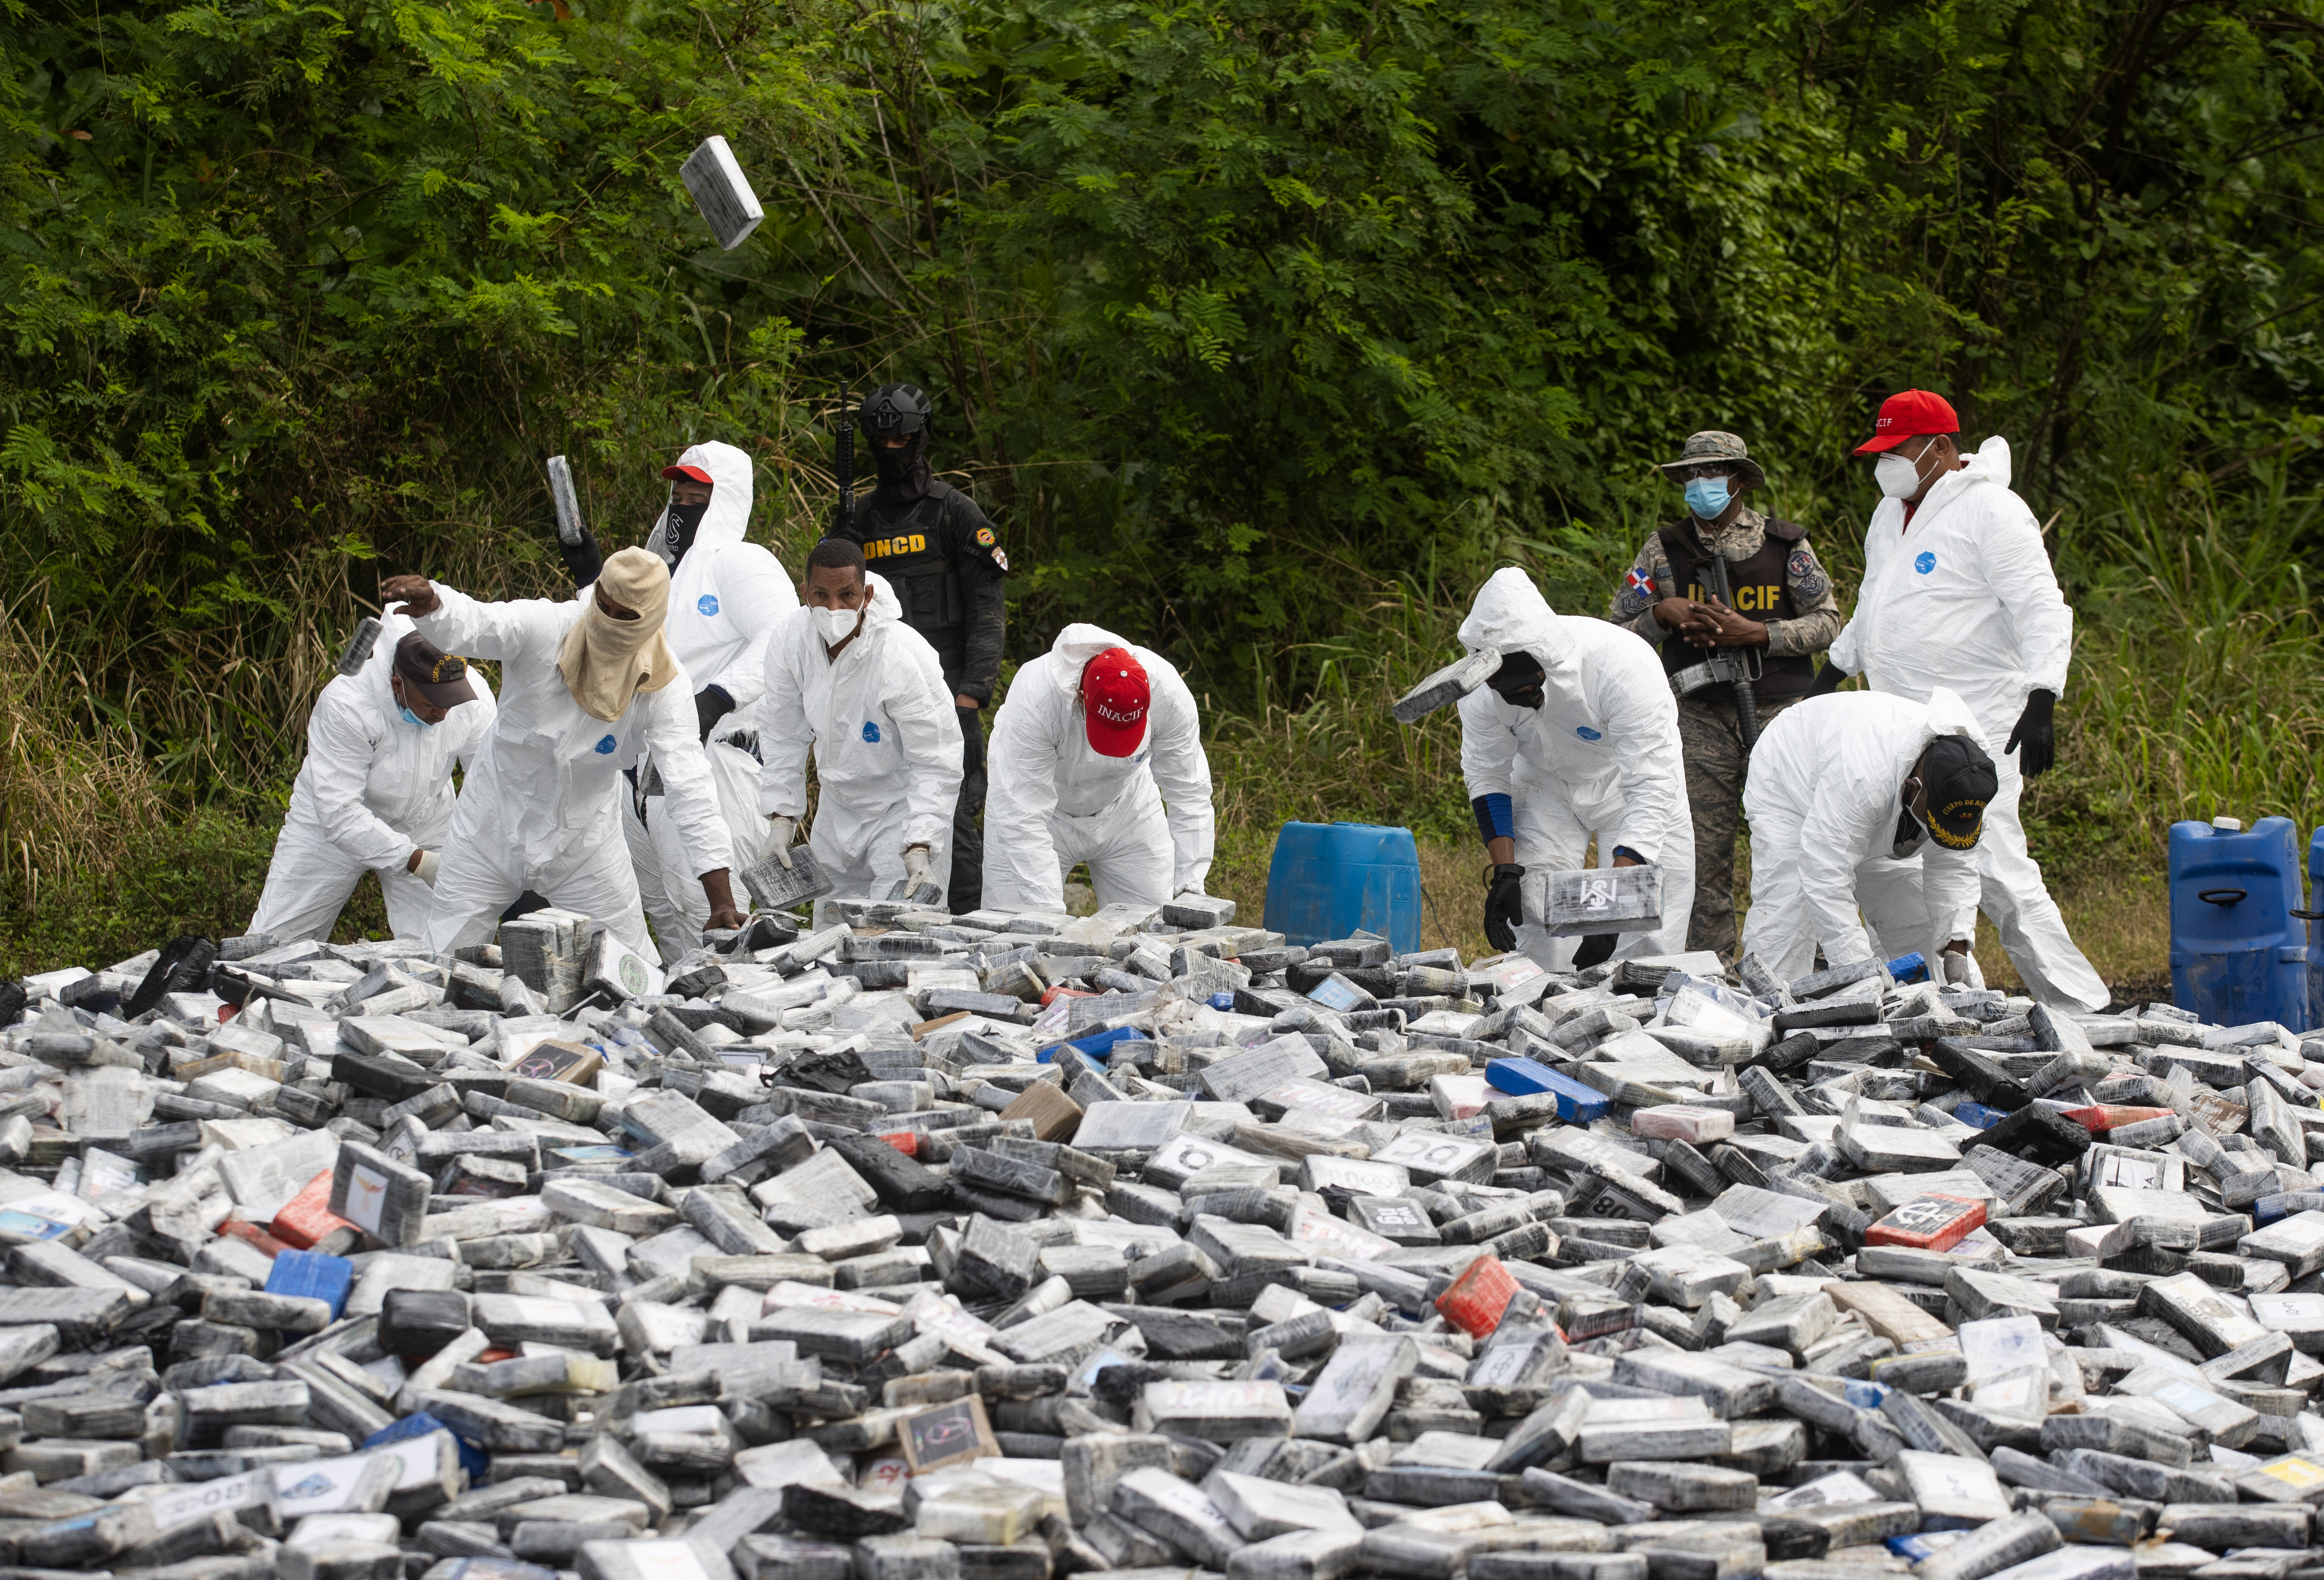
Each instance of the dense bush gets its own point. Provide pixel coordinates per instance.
(1263, 329)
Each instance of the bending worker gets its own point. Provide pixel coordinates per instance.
(849, 679)
(1097, 757)
(727, 597)
(938, 550)
(1576, 737)
(585, 685)
(1958, 593)
(1845, 791)
(375, 791)
(1779, 611)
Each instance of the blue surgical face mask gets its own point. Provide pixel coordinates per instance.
(411, 717)
(1707, 496)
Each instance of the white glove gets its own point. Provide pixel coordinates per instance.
(784, 829)
(425, 871)
(916, 865)
(1193, 889)
(1956, 966)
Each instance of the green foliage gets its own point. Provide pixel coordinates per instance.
(1264, 329)
(291, 292)
(202, 874)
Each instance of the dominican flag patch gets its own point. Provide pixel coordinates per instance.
(1638, 581)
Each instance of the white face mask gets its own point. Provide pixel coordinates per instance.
(1898, 478)
(836, 625)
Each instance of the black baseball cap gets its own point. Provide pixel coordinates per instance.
(1960, 781)
(440, 677)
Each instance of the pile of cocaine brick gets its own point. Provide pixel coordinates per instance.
(885, 1245)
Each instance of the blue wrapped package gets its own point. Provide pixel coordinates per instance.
(472, 1458)
(1096, 1042)
(313, 1276)
(1522, 1077)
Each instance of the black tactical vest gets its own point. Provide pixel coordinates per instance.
(912, 545)
(1760, 589)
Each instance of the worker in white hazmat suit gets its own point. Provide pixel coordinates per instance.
(727, 597)
(1576, 737)
(375, 791)
(584, 685)
(847, 679)
(1843, 792)
(1097, 757)
(1958, 593)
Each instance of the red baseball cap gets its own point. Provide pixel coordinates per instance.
(696, 473)
(1115, 694)
(1908, 416)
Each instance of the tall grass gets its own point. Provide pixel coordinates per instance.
(2199, 688)
(72, 786)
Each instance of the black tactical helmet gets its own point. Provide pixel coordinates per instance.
(893, 409)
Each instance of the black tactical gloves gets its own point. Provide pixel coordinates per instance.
(582, 560)
(2035, 739)
(1504, 905)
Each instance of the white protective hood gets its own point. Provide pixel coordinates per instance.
(727, 594)
(1511, 615)
(1070, 654)
(728, 516)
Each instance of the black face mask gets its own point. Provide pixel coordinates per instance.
(684, 521)
(903, 467)
(1518, 680)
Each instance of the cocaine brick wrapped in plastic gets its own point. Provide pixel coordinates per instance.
(1446, 686)
(721, 192)
(845, 1256)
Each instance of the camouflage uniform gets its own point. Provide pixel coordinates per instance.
(1708, 731)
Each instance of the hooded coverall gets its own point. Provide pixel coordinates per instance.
(1601, 757)
(375, 787)
(541, 809)
(1824, 798)
(1057, 800)
(1963, 597)
(727, 597)
(886, 739)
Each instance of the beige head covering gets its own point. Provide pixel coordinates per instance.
(605, 660)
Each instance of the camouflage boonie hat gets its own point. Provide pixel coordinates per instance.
(1703, 449)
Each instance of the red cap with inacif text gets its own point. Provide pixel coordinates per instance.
(1115, 695)
(1907, 416)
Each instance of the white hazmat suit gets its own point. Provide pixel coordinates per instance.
(1964, 599)
(886, 739)
(375, 787)
(1601, 757)
(727, 597)
(1057, 800)
(541, 810)
(1823, 797)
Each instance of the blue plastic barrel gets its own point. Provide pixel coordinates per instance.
(1326, 880)
(2237, 953)
(2315, 931)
